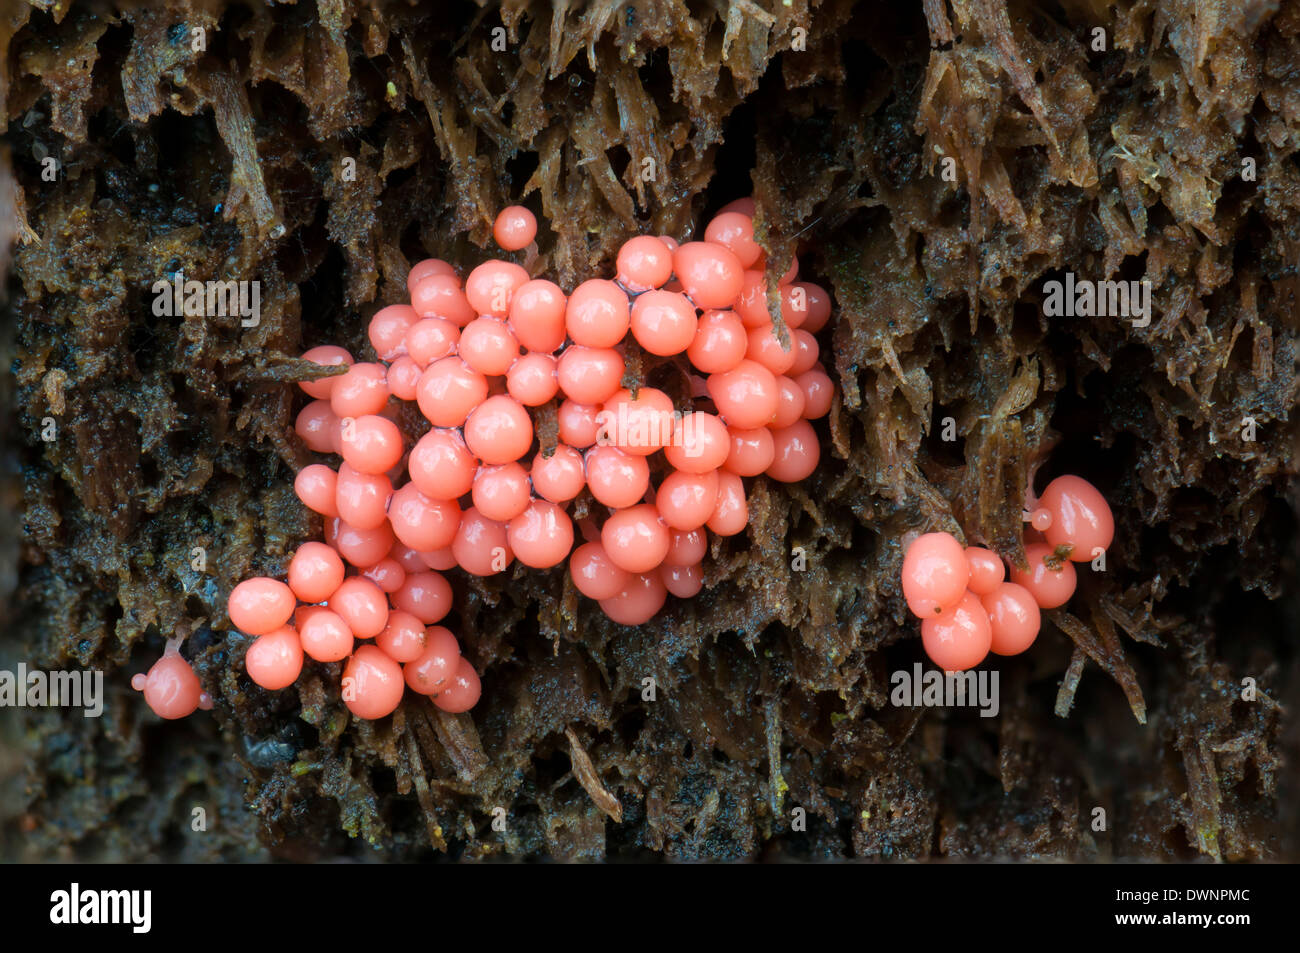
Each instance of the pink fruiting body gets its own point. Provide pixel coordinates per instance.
(664, 322)
(1051, 585)
(961, 637)
(171, 689)
(274, 660)
(430, 671)
(1014, 617)
(372, 683)
(1080, 517)
(475, 358)
(260, 605)
(644, 263)
(324, 635)
(598, 314)
(638, 602)
(1078, 524)
(986, 570)
(515, 228)
(315, 571)
(935, 574)
(461, 691)
(328, 356)
(746, 396)
(559, 477)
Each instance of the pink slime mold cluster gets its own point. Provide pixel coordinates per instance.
(477, 492)
(966, 606)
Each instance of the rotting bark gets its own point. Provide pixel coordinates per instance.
(771, 687)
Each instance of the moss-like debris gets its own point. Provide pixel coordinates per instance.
(321, 148)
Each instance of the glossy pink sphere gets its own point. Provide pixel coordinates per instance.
(481, 546)
(441, 466)
(370, 443)
(735, 232)
(372, 683)
(403, 637)
(274, 660)
(362, 390)
(636, 538)
(171, 689)
(663, 322)
(532, 379)
(598, 314)
(420, 521)
(700, 443)
(431, 339)
(541, 536)
(537, 315)
(1014, 617)
(500, 492)
(594, 574)
(686, 501)
(315, 571)
(441, 296)
(431, 671)
(644, 596)
(720, 342)
(1051, 588)
(935, 574)
(746, 396)
(960, 638)
(709, 273)
(324, 635)
(797, 452)
(260, 605)
(387, 330)
(687, 547)
(491, 286)
(449, 390)
(462, 690)
(643, 263)
(488, 346)
(317, 487)
(589, 375)
(637, 425)
(731, 514)
(425, 595)
(1081, 517)
(362, 605)
(615, 478)
(499, 430)
(559, 477)
(579, 424)
(515, 228)
(327, 355)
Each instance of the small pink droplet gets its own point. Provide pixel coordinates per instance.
(935, 574)
(1050, 588)
(372, 683)
(960, 638)
(1014, 617)
(986, 570)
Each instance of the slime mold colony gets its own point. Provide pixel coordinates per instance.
(476, 490)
